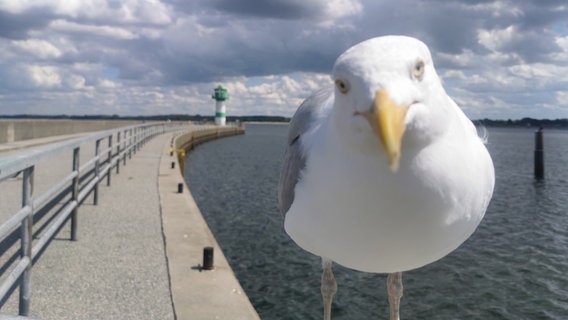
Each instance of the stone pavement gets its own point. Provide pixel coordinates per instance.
(127, 262)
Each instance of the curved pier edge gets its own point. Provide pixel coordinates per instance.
(196, 293)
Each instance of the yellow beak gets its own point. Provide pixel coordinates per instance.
(388, 122)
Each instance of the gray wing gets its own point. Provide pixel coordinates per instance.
(294, 158)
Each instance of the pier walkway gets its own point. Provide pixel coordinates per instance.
(138, 251)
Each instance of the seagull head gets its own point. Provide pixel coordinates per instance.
(387, 89)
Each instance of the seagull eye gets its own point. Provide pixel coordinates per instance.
(418, 71)
(342, 85)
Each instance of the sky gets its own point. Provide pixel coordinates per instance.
(497, 59)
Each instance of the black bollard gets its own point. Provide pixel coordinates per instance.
(207, 258)
(180, 187)
(173, 165)
(539, 155)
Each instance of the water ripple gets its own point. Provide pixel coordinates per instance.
(513, 267)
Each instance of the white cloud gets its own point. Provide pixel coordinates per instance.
(103, 31)
(475, 79)
(484, 105)
(130, 11)
(338, 9)
(561, 57)
(147, 11)
(562, 42)
(495, 8)
(108, 84)
(73, 8)
(534, 71)
(540, 75)
(499, 58)
(496, 39)
(466, 58)
(44, 76)
(75, 82)
(562, 98)
(40, 48)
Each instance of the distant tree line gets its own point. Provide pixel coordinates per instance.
(171, 117)
(524, 123)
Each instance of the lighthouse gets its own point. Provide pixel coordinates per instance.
(220, 96)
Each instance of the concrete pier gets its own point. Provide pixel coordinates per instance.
(14, 130)
(196, 293)
(138, 252)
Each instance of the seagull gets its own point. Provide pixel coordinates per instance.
(382, 172)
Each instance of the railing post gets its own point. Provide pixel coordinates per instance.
(109, 159)
(130, 144)
(135, 140)
(97, 172)
(125, 146)
(26, 242)
(118, 153)
(139, 139)
(75, 194)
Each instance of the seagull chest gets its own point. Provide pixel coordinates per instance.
(353, 210)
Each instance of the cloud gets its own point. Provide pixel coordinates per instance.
(316, 10)
(39, 48)
(44, 76)
(125, 11)
(498, 58)
(18, 25)
(64, 26)
(528, 45)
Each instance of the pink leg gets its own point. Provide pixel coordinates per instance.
(328, 287)
(394, 288)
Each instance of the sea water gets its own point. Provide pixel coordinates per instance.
(515, 266)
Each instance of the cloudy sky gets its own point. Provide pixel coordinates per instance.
(498, 59)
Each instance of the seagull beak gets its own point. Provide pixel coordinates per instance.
(388, 122)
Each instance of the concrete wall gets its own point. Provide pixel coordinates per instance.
(12, 130)
(193, 138)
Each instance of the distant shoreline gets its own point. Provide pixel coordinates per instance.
(519, 123)
(164, 117)
(524, 123)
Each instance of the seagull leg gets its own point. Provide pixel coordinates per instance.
(394, 288)
(328, 287)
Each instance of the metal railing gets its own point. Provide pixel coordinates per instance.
(62, 200)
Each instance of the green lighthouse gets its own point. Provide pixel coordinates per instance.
(220, 96)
